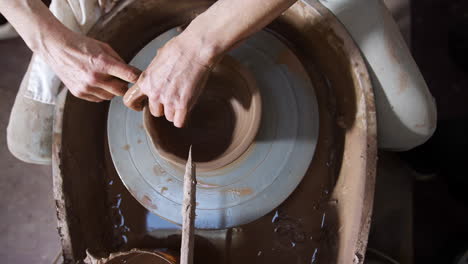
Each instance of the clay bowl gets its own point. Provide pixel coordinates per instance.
(221, 126)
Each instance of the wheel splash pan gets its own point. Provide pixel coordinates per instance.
(345, 153)
(258, 180)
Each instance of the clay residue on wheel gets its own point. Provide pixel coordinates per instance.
(221, 126)
(293, 232)
(134, 256)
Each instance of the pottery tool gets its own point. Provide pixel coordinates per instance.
(256, 181)
(188, 212)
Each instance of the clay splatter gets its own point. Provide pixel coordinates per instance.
(146, 201)
(240, 191)
(158, 170)
(206, 185)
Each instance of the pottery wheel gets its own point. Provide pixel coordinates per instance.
(256, 182)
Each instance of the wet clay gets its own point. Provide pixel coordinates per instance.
(222, 124)
(134, 256)
(137, 258)
(325, 220)
(295, 231)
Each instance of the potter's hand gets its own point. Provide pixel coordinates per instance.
(174, 79)
(90, 69)
(176, 76)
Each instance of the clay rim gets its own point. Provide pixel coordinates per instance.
(243, 135)
(117, 257)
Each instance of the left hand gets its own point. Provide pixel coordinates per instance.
(90, 69)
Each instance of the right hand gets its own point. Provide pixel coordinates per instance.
(174, 79)
(90, 69)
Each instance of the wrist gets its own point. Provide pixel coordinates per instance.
(208, 49)
(55, 37)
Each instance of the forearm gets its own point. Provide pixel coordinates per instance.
(34, 22)
(228, 22)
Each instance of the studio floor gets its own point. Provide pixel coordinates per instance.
(27, 209)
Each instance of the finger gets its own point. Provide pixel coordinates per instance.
(85, 96)
(169, 112)
(179, 117)
(156, 109)
(113, 53)
(123, 71)
(101, 93)
(114, 86)
(91, 98)
(134, 98)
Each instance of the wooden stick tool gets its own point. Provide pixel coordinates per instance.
(188, 212)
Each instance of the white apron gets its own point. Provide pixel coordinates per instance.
(77, 15)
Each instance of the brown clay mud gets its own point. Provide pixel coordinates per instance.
(325, 220)
(134, 256)
(294, 232)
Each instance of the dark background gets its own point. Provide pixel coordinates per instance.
(440, 48)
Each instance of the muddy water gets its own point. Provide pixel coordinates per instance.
(295, 232)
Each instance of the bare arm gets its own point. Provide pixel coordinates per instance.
(174, 79)
(32, 20)
(91, 70)
(228, 22)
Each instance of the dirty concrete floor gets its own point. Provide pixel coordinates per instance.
(27, 210)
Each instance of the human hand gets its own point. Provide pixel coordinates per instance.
(90, 69)
(174, 79)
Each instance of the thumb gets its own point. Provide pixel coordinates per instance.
(134, 98)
